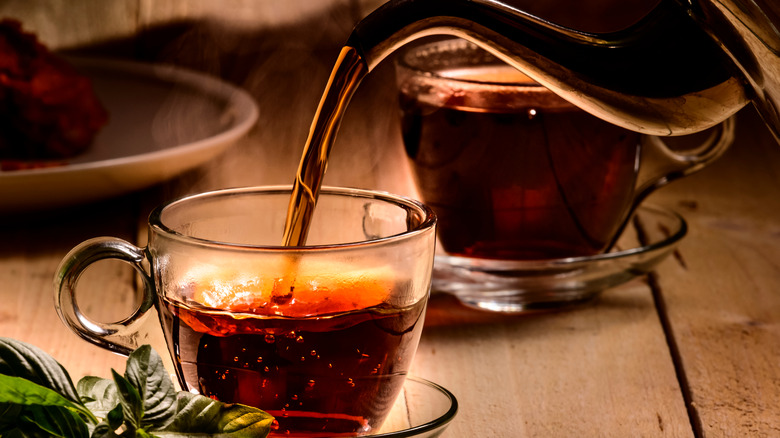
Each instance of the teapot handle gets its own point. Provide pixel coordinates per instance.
(121, 336)
(662, 164)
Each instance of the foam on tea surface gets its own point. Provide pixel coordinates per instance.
(316, 289)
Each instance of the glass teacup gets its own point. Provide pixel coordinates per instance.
(320, 336)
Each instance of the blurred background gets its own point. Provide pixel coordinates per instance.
(282, 52)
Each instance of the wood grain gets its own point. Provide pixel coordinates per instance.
(601, 370)
(722, 303)
(32, 247)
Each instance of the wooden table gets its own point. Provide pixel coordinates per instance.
(691, 351)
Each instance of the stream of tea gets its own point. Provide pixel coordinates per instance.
(347, 73)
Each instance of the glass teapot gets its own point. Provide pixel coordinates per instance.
(684, 67)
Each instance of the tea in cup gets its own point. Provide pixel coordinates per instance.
(321, 336)
(517, 174)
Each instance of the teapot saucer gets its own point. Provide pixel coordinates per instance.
(527, 286)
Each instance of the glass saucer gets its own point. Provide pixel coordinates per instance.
(526, 286)
(423, 409)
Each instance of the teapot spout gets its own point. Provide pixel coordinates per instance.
(664, 75)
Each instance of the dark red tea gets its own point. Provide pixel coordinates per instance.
(516, 173)
(327, 367)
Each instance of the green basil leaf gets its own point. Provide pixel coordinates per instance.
(8, 414)
(115, 417)
(103, 430)
(101, 397)
(98, 395)
(144, 434)
(130, 400)
(25, 430)
(147, 374)
(38, 399)
(108, 427)
(30, 362)
(24, 392)
(57, 421)
(200, 416)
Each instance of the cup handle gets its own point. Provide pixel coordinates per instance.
(661, 164)
(119, 337)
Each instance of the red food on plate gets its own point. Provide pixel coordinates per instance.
(48, 110)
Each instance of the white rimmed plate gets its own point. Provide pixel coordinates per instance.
(162, 121)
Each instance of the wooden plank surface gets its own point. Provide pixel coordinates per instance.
(722, 302)
(602, 370)
(32, 247)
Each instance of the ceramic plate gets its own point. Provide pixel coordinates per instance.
(162, 122)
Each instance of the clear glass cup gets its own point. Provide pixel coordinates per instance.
(320, 336)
